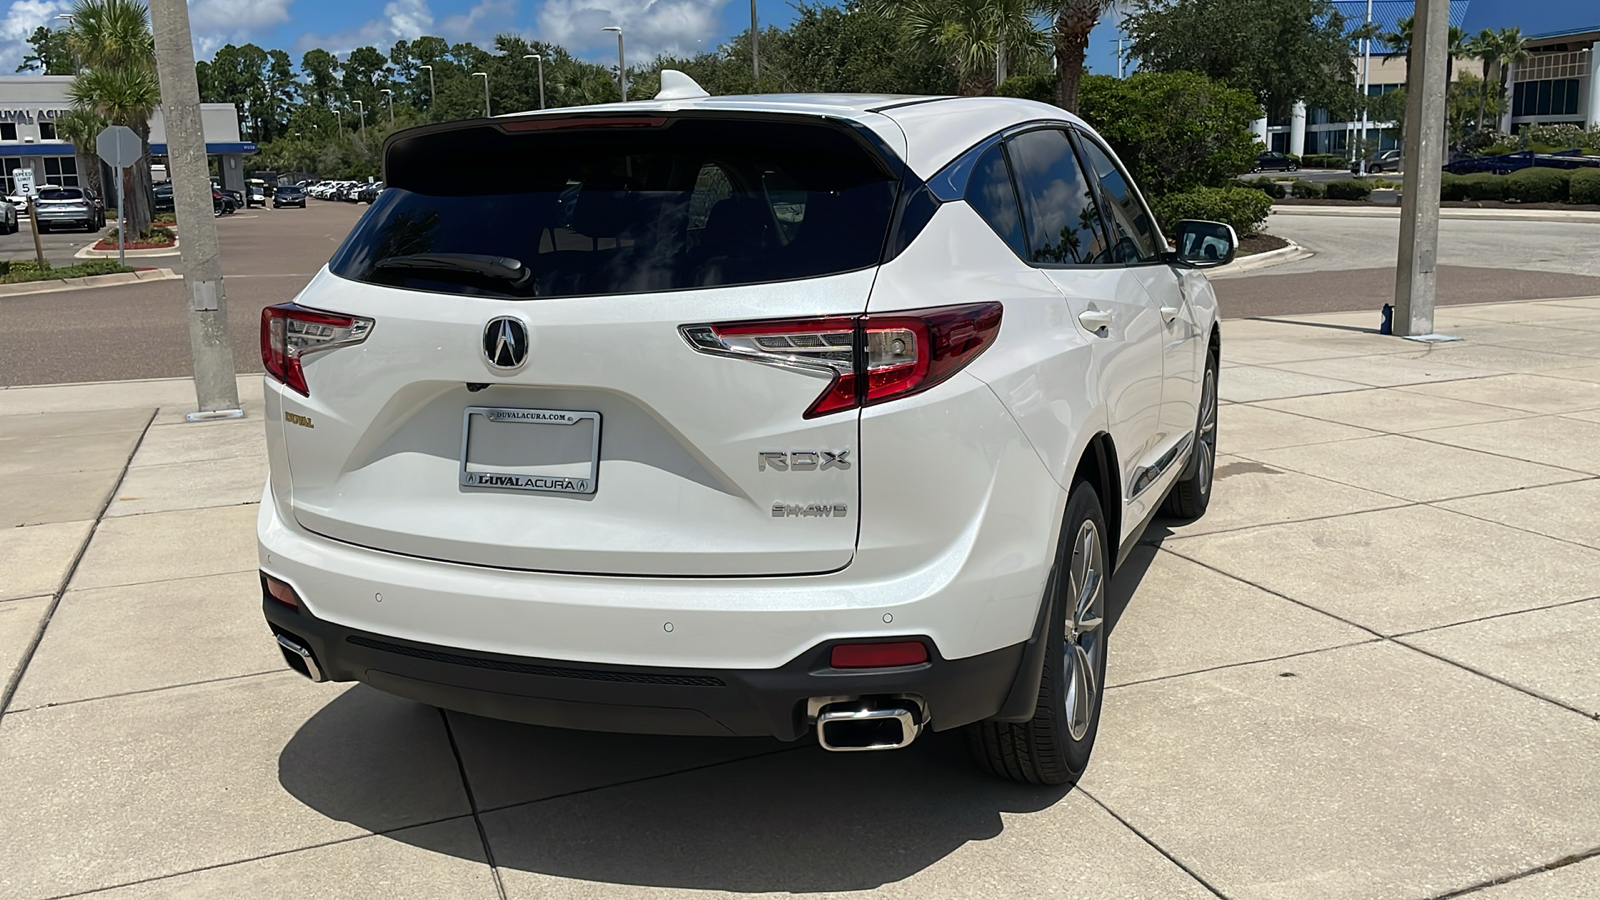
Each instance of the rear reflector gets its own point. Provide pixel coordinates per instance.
(878, 656)
(871, 358)
(290, 331)
(281, 592)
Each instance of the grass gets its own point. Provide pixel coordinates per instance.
(25, 270)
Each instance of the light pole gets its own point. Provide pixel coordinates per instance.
(1366, 86)
(430, 90)
(362, 108)
(485, 76)
(69, 17)
(389, 95)
(540, 59)
(755, 52)
(622, 62)
(338, 115)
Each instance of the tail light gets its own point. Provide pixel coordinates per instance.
(869, 359)
(290, 331)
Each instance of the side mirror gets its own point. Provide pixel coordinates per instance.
(1205, 245)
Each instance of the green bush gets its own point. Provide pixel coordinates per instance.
(1267, 186)
(1484, 186)
(28, 270)
(1323, 161)
(1175, 131)
(1538, 185)
(1453, 187)
(1244, 208)
(1308, 190)
(1348, 189)
(1029, 87)
(1585, 187)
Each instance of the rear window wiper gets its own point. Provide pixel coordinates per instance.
(499, 268)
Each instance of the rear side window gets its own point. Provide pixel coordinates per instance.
(1134, 230)
(1058, 202)
(989, 191)
(635, 205)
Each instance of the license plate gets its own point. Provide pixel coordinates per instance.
(543, 450)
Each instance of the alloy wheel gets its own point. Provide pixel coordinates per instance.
(1084, 646)
(1208, 430)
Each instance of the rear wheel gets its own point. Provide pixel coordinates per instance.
(1054, 746)
(1191, 495)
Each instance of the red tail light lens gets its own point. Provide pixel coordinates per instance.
(290, 331)
(878, 656)
(280, 591)
(871, 359)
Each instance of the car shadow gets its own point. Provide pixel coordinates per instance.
(722, 814)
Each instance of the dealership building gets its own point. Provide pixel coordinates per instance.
(30, 104)
(1556, 85)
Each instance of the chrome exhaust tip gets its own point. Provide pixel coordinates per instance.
(299, 658)
(861, 725)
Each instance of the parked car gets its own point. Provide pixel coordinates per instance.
(223, 202)
(858, 472)
(1273, 161)
(8, 217)
(67, 207)
(161, 197)
(289, 195)
(255, 193)
(1386, 161)
(369, 192)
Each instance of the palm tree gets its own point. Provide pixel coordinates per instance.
(972, 35)
(1481, 47)
(1511, 49)
(1074, 20)
(116, 79)
(81, 127)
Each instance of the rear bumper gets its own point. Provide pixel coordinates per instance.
(643, 699)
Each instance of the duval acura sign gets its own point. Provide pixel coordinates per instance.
(31, 116)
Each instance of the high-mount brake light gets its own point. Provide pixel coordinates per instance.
(871, 359)
(290, 331)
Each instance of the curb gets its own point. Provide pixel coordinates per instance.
(89, 252)
(89, 281)
(1292, 253)
(1392, 212)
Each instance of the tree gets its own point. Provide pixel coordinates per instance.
(112, 42)
(1074, 20)
(320, 69)
(1481, 47)
(50, 54)
(1176, 131)
(81, 128)
(1280, 51)
(1511, 50)
(969, 34)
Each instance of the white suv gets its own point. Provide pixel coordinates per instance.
(740, 416)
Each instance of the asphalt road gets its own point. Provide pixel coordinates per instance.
(1480, 261)
(140, 331)
(58, 246)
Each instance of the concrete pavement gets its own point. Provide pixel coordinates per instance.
(1369, 671)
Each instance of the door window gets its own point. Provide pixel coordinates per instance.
(1133, 229)
(1058, 202)
(989, 191)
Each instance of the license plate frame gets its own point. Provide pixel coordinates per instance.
(483, 479)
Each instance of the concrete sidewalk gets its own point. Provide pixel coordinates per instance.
(1369, 671)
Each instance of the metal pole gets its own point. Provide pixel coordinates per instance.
(622, 63)
(122, 215)
(362, 108)
(1366, 89)
(541, 81)
(1416, 281)
(216, 387)
(430, 91)
(389, 96)
(485, 76)
(755, 51)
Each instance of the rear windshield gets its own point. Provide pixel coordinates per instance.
(60, 194)
(662, 204)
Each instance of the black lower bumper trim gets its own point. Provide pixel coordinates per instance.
(640, 699)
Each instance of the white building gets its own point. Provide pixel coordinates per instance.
(30, 104)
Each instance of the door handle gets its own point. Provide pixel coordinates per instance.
(1095, 320)
(1168, 313)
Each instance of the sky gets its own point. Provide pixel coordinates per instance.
(652, 26)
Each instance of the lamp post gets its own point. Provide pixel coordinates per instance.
(362, 108)
(622, 62)
(389, 95)
(338, 115)
(430, 90)
(540, 59)
(485, 76)
(69, 17)
(755, 52)
(1366, 87)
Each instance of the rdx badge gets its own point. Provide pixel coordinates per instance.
(802, 460)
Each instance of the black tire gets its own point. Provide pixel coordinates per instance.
(1054, 746)
(1191, 494)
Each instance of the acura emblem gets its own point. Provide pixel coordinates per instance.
(505, 342)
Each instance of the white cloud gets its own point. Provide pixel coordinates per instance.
(401, 20)
(481, 22)
(21, 18)
(650, 27)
